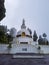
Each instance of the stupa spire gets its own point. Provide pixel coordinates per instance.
(23, 24)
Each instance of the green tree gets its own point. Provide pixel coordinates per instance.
(45, 41)
(40, 40)
(35, 36)
(9, 37)
(2, 9)
(30, 31)
(44, 35)
(3, 38)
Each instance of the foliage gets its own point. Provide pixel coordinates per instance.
(30, 31)
(9, 46)
(2, 10)
(44, 35)
(3, 37)
(39, 47)
(42, 41)
(35, 36)
(10, 38)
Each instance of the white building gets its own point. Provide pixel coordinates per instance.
(23, 36)
(23, 43)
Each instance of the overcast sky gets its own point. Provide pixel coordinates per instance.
(35, 13)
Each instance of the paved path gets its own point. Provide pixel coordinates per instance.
(8, 60)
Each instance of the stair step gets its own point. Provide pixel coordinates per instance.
(25, 56)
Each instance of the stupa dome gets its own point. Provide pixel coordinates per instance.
(23, 31)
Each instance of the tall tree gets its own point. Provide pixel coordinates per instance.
(30, 31)
(45, 41)
(35, 36)
(40, 40)
(10, 38)
(3, 38)
(44, 35)
(2, 9)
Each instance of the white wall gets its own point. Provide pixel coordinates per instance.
(17, 48)
(24, 39)
(45, 48)
(30, 48)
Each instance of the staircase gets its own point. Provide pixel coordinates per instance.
(28, 55)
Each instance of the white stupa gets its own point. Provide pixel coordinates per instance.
(24, 41)
(24, 36)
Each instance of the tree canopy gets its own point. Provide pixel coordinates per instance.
(35, 36)
(2, 9)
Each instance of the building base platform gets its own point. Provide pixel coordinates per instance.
(28, 55)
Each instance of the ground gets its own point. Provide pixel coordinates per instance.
(8, 60)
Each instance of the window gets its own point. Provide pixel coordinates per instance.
(23, 42)
(24, 49)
